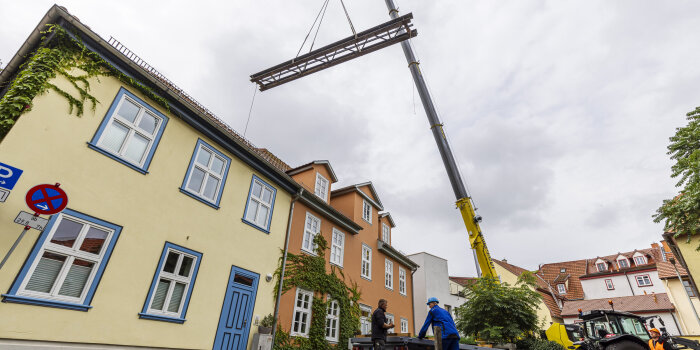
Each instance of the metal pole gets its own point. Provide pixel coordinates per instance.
(433, 118)
(436, 126)
(7, 256)
(438, 338)
(673, 262)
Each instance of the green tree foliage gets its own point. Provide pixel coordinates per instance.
(309, 272)
(498, 312)
(532, 343)
(682, 213)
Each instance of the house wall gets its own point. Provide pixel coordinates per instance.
(50, 146)
(431, 279)
(687, 320)
(625, 285)
(690, 255)
(667, 317)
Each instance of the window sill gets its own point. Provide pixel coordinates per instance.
(308, 252)
(387, 288)
(336, 265)
(7, 298)
(215, 206)
(366, 278)
(299, 335)
(110, 155)
(255, 226)
(161, 318)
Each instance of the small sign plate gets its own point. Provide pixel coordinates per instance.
(9, 176)
(28, 219)
(4, 194)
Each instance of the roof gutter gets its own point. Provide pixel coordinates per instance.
(309, 199)
(390, 251)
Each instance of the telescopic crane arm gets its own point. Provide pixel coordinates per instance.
(464, 202)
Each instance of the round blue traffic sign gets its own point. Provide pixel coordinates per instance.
(46, 199)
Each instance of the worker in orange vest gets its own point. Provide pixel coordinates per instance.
(658, 343)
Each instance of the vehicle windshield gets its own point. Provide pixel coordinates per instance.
(600, 327)
(633, 326)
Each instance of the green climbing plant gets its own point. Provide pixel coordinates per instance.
(61, 53)
(309, 272)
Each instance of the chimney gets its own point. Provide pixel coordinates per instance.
(655, 245)
(505, 261)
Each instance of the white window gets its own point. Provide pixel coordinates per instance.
(601, 266)
(337, 247)
(174, 279)
(388, 274)
(366, 262)
(311, 228)
(609, 284)
(332, 321)
(386, 237)
(640, 260)
(623, 263)
(260, 203)
(366, 211)
(321, 188)
(402, 281)
(390, 319)
(561, 288)
(68, 260)
(404, 325)
(365, 319)
(302, 313)
(206, 173)
(643, 280)
(131, 131)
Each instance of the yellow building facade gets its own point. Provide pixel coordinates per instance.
(170, 233)
(510, 275)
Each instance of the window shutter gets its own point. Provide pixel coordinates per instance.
(75, 280)
(44, 275)
(159, 296)
(175, 299)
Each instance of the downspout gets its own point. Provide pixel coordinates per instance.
(673, 262)
(413, 304)
(629, 283)
(284, 264)
(673, 301)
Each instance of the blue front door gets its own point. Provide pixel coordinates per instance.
(237, 311)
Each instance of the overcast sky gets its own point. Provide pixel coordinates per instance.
(559, 112)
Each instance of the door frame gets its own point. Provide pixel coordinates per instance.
(235, 270)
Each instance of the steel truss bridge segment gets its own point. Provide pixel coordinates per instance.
(373, 39)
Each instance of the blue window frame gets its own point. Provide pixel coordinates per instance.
(172, 284)
(206, 175)
(67, 262)
(130, 132)
(260, 204)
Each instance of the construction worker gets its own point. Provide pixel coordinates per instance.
(657, 342)
(438, 317)
(380, 325)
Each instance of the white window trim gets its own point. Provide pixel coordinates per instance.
(133, 129)
(402, 281)
(642, 258)
(388, 274)
(367, 217)
(598, 267)
(368, 261)
(561, 288)
(340, 257)
(174, 278)
(332, 318)
(311, 249)
(404, 325)
(643, 284)
(71, 254)
(310, 294)
(207, 173)
(626, 262)
(390, 319)
(386, 234)
(321, 192)
(366, 321)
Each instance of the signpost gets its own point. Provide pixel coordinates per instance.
(43, 199)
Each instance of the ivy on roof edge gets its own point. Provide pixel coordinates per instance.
(61, 54)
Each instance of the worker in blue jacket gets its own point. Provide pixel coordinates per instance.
(438, 317)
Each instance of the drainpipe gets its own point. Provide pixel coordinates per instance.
(284, 264)
(673, 262)
(629, 283)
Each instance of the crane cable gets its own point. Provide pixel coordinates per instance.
(321, 13)
(348, 17)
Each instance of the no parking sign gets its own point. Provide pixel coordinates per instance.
(46, 199)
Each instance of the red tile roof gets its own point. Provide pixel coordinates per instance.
(463, 281)
(552, 273)
(665, 268)
(542, 287)
(637, 303)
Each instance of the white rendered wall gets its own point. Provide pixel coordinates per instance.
(668, 318)
(625, 285)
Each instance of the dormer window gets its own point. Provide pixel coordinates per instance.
(601, 266)
(366, 211)
(623, 263)
(321, 189)
(562, 270)
(640, 260)
(561, 287)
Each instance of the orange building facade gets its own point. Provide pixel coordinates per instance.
(358, 231)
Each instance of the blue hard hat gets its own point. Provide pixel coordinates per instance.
(433, 300)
